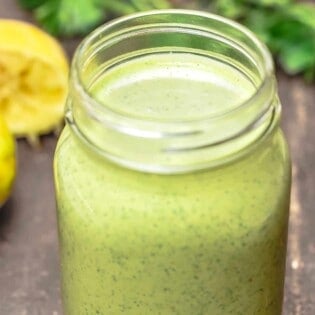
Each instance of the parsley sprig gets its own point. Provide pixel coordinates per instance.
(287, 27)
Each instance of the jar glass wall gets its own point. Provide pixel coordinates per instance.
(172, 175)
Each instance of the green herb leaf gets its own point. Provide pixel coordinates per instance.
(269, 3)
(295, 59)
(299, 58)
(304, 13)
(118, 7)
(232, 9)
(61, 17)
(31, 4)
(47, 16)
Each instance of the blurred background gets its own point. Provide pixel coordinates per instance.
(31, 112)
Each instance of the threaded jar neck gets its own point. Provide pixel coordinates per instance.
(172, 91)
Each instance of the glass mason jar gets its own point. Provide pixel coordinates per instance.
(172, 174)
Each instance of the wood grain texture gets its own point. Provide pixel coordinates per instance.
(298, 101)
(29, 268)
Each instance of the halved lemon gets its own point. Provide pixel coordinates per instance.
(33, 79)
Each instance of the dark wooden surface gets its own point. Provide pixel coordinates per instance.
(29, 274)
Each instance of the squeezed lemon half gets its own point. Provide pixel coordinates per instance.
(33, 79)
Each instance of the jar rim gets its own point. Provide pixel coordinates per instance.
(149, 129)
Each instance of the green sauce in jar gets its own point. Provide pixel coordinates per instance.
(209, 241)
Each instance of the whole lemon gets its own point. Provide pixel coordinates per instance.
(7, 161)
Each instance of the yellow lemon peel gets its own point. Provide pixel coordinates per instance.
(7, 161)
